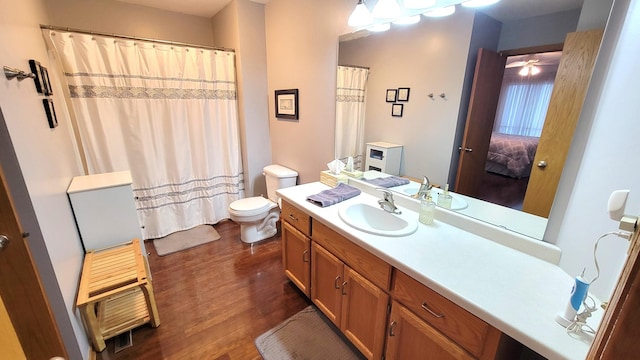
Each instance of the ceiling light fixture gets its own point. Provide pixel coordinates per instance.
(418, 4)
(386, 9)
(529, 70)
(360, 16)
(407, 20)
(440, 12)
(379, 27)
(478, 3)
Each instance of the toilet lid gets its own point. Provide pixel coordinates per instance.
(252, 206)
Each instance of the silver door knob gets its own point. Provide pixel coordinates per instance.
(542, 164)
(465, 149)
(4, 241)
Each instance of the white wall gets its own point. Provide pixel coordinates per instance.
(602, 158)
(538, 30)
(428, 57)
(302, 45)
(241, 26)
(44, 163)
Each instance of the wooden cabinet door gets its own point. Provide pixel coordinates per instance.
(326, 282)
(409, 337)
(364, 313)
(296, 254)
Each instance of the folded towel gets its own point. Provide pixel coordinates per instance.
(329, 197)
(387, 182)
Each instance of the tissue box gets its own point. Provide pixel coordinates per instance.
(332, 180)
(356, 174)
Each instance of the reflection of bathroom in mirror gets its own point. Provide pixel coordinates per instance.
(437, 57)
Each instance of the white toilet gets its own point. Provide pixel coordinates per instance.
(256, 215)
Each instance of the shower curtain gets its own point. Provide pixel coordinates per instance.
(350, 111)
(167, 113)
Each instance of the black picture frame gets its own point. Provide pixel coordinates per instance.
(403, 94)
(51, 112)
(392, 95)
(36, 69)
(287, 104)
(45, 80)
(397, 109)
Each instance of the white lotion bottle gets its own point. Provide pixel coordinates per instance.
(427, 210)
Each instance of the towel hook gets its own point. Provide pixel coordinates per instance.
(431, 96)
(11, 73)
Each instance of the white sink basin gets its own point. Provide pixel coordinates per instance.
(457, 203)
(374, 220)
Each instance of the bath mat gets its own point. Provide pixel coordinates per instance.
(306, 335)
(186, 239)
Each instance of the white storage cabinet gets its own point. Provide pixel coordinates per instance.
(105, 210)
(384, 157)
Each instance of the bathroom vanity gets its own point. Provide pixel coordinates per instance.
(449, 291)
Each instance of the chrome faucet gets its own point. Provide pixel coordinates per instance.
(387, 204)
(424, 188)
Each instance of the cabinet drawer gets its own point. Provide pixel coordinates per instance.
(296, 217)
(458, 324)
(359, 259)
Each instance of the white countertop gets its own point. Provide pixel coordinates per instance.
(516, 293)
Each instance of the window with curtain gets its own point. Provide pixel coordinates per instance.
(523, 104)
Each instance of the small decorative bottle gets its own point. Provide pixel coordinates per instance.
(427, 209)
(444, 199)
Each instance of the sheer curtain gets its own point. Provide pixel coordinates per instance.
(166, 113)
(350, 111)
(523, 104)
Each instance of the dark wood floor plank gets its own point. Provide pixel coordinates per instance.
(214, 300)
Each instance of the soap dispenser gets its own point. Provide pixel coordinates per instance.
(444, 199)
(427, 209)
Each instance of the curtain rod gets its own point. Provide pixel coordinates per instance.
(166, 42)
(356, 66)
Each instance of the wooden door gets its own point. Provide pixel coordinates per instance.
(326, 282)
(409, 337)
(21, 289)
(485, 93)
(296, 248)
(618, 333)
(569, 90)
(364, 314)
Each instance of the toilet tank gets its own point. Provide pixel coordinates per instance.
(278, 177)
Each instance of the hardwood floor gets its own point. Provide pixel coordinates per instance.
(214, 300)
(503, 190)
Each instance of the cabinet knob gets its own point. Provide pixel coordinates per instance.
(336, 282)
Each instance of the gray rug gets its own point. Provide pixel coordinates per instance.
(186, 239)
(306, 335)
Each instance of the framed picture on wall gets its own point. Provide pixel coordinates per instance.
(36, 69)
(51, 112)
(396, 110)
(403, 94)
(287, 104)
(391, 95)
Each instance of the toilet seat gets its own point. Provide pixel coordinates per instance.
(251, 206)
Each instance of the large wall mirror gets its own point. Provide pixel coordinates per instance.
(432, 64)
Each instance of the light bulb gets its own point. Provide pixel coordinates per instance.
(379, 27)
(408, 20)
(534, 70)
(479, 3)
(360, 16)
(440, 12)
(524, 71)
(418, 4)
(386, 9)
